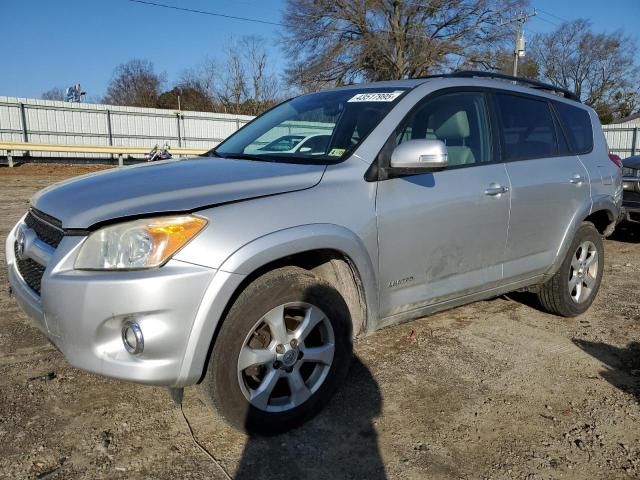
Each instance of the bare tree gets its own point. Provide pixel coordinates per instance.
(598, 67)
(337, 42)
(248, 84)
(264, 83)
(233, 90)
(55, 93)
(501, 60)
(135, 84)
(204, 79)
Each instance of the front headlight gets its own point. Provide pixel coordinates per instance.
(138, 244)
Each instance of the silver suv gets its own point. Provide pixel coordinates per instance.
(250, 271)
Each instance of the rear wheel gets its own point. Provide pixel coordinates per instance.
(281, 352)
(573, 288)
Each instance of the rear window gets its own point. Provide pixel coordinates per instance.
(528, 130)
(577, 125)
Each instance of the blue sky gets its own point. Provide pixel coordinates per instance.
(48, 43)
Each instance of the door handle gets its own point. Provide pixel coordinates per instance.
(495, 189)
(576, 179)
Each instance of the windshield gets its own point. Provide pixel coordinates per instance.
(319, 128)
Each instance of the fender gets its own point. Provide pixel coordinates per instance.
(600, 202)
(255, 254)
(317, 236)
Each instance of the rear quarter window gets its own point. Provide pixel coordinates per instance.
(577, 125)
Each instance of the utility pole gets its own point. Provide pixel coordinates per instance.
(519, 50)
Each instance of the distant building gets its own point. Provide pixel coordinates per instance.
(628, 122)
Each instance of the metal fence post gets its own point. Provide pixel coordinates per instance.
(23, 117)
(179, 139)
(634, 139)
(109, 132)
(25, 134)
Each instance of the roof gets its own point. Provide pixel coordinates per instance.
(469, 74)
(630, 118)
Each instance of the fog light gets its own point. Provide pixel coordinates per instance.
(132, 338)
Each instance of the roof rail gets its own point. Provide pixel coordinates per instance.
(501, 76)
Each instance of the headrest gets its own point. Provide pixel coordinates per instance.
(455, 127)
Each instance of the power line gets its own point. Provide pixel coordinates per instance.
(213, 14)
(548, 21)
(257, 20)
(552, 15)
(264, 22)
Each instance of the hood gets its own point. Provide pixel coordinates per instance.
(632, 162)
(168, 187)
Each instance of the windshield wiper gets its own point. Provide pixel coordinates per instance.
(246, 156)
(211, 153)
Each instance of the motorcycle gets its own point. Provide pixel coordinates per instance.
(158, 154)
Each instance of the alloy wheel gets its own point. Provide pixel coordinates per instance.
(583, 273)
(286, 357)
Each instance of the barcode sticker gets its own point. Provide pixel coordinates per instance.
(376, 96)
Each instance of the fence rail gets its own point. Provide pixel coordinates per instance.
(49, 122)
(12, 147)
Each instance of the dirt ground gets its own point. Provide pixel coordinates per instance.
(496, 389)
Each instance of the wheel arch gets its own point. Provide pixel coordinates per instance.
(332, 252)
(603, 214)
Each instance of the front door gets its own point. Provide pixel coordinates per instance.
(443, 234)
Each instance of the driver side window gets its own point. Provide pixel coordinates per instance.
(459, 120)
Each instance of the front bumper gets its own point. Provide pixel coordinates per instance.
(83, 313)
(631, 214)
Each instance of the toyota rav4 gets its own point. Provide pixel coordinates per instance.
(250, 271)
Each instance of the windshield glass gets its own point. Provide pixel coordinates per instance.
(319, 128)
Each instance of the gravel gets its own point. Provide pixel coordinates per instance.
(492, 390)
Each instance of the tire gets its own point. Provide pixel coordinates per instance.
(272, 369)
(573, 288)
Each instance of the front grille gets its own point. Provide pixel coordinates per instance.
(48, 229)
(630, 196)
(30, 271)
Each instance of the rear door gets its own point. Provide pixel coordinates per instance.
(443, 234)
(548, 184)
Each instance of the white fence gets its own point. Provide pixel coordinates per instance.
(623, 141)
(44, 121)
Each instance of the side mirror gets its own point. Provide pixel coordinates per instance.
(305, 150)
(420, 155)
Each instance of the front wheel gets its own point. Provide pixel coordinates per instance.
(573, 288)
(283, 349)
